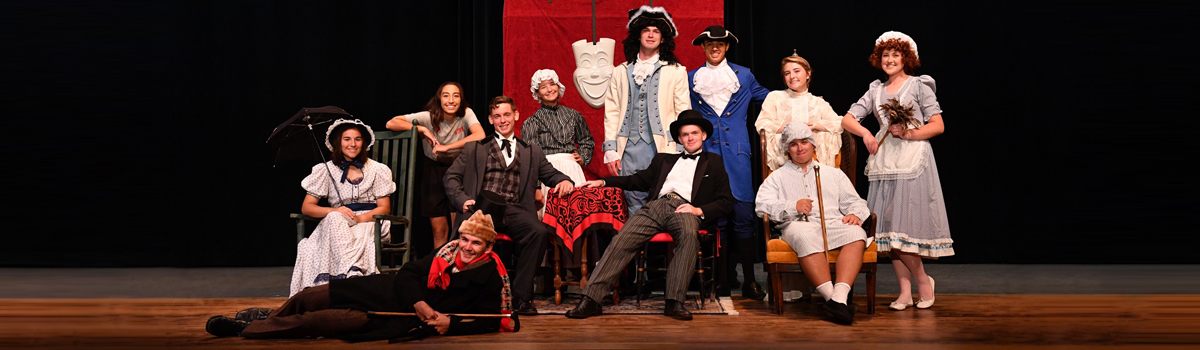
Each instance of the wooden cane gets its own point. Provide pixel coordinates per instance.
(821, 207)
(383, 313)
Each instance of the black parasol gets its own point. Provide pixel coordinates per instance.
(302, 137)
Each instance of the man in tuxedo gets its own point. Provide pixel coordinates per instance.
(511, 168)
(687, 191)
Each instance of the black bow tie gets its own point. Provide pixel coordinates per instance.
(690, 156)
(507, 147)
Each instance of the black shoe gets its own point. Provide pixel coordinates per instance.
(753, 291)
(252, 314)
(842, 314)
(526, 308)
(586, 308)
(222, 326)
(676, 310)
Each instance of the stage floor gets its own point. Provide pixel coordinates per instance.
(253, 282)
(963, 321)
(978, 307)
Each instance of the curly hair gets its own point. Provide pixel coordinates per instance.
(910, 60)
(633, 42)
(434, 106)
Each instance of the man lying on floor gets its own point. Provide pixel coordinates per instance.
(465, 276)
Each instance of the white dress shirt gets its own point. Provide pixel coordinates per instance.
(508, 157)
(679, 180)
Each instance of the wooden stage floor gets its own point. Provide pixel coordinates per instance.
(958, 321)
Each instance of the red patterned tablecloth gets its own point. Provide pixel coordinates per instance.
(585, 206)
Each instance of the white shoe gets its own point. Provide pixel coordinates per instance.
(792, 296)
(925, 304)
(898, 306)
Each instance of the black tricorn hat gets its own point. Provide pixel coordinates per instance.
(690, 117)
(715, 33)
(651, 16)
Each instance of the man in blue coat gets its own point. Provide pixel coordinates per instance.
(723, 92)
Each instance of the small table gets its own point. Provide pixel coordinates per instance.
(572, 216)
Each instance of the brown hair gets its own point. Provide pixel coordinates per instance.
(434, 106)
(797, 60)
(911, 62)
(496, 101)
(336, 141)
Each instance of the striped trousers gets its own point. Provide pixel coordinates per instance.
(656, 216)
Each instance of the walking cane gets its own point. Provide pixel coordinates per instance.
(516, 320)
(384, 313)
(821, 207)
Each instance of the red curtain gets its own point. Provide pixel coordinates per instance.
(538, 35)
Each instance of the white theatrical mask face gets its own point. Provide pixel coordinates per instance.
(594, 69)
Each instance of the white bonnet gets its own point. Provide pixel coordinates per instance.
(902, 37)
(370, 133)
(543, 75)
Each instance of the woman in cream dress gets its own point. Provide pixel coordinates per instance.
(796, 104)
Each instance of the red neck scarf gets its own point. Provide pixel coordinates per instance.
(438, 278)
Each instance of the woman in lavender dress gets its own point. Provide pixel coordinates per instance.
(905, 191)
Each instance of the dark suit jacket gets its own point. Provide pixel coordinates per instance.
(710, 186)
(464, 179)
(472, 291)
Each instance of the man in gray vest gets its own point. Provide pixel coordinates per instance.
(646, 93)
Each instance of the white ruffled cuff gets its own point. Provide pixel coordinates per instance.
(611, 156)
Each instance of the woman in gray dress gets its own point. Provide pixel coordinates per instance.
(905, 190)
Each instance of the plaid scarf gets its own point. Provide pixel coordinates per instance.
(438, 278)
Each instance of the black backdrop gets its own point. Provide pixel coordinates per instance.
(156, 114)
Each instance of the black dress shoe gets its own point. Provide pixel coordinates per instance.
(676, 310)
(526, 308)
(252, 314)
(222, 326)
(753, 291)
(842, 314)
(586, 308)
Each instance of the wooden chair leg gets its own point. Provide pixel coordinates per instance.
(776, 288)
(640, 278)
(558, 281)
(871, 289)
(700, 274)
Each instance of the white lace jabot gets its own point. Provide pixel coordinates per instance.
(711, 80)
(643, 69)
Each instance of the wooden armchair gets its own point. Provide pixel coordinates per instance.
(782, 259)
(398, 151)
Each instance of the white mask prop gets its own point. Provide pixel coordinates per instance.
(594, 69)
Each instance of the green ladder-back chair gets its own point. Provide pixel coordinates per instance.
(398, 151)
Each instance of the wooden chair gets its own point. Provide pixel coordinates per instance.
(705, 264)
(782, 259)
(398, 151)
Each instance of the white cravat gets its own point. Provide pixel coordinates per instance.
(512, 140)
(716, 84)
(643, 69)
(679, 180)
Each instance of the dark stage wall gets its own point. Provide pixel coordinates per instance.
(158, 114)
